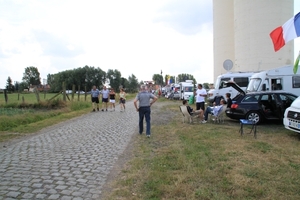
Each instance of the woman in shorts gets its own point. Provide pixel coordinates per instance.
(112, 99)
(122, 96)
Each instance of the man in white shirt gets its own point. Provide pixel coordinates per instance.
(200, 97)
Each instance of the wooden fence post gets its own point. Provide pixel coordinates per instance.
(78, 92)
(5, 96)
(37, 94)
(73, 92)
(23, 99)
(85, 93)
(64, 91)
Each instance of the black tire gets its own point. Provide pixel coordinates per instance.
(254, 116)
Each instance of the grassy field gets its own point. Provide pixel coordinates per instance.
(17, 122)
(14, 98)
(210, 161)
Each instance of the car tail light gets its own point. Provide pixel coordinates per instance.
(234, 106)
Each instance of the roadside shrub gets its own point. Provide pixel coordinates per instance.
(79, 105)
(10, 122)
(6, 124)
(53, 104)
(10, 105)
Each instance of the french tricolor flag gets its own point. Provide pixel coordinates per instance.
(288, 31)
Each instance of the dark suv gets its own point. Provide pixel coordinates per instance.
(258, 106)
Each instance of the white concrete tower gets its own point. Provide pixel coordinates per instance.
(252, 23)
(223, 22)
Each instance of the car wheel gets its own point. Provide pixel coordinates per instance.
(254, 116)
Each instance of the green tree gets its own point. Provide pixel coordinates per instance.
(184, 77)
(32, 76)
(124, 83)
(23, 85)
(133, 83)
(9, 85)
(114, 77)
(158, 78)
(17, 86)
(206, 85)
(83, 77)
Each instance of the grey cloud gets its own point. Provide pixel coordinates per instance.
(186, 17)
(54, 46)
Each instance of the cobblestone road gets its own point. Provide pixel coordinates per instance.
(70, 160)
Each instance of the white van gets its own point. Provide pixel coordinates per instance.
(240, 78)
(281, 78)
(291, 118)
(186, 89)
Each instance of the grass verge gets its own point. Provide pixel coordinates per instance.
(210, 161)
(16, 122)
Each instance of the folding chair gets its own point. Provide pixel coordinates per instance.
(220, 116)
(186, 115)
(248, 122)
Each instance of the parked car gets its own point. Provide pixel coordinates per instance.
(80, 92)
(291, 118)
(259, 106)
(174, 95)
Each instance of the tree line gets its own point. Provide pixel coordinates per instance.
(82, 77)
(87, 76)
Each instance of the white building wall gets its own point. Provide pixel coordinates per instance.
(223, 18)
(253, 20)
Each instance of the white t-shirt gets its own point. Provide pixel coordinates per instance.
(198, 97)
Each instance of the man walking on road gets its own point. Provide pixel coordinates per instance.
(95, 93)
(144, 110)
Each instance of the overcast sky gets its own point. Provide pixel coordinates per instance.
(133, 36)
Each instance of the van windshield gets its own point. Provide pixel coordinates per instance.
(217, 83)
(188, 89)
(253, 84)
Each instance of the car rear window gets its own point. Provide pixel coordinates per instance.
(251, 98)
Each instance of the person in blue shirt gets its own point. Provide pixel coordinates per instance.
(95, 93)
